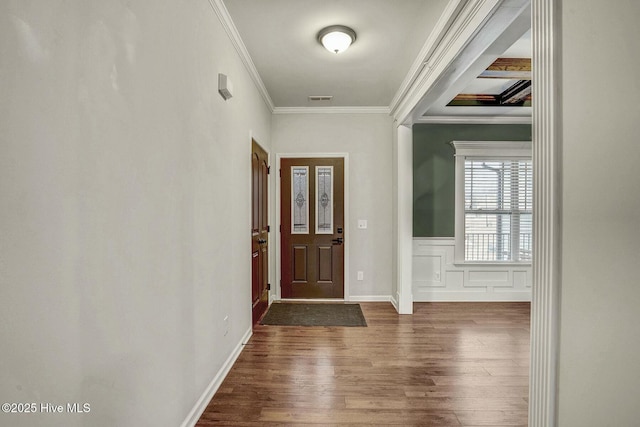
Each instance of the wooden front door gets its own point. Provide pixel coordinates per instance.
(259, 232)
(312, 233)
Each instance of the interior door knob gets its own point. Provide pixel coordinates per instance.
(338, 241)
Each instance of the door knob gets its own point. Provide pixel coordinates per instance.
(261, 241)
(338, 241)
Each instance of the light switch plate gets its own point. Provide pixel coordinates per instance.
(362, 224)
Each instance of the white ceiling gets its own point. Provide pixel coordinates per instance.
(280, 36)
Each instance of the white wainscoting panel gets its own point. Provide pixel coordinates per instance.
(437, 278)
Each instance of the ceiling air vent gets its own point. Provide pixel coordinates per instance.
(315, 98)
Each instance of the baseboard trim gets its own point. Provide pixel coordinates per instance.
(370, 298)
(214, 385)
(394, 302)
(352, 298)
(470, 296)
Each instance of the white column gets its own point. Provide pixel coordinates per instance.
(404, 215)
(547, 198)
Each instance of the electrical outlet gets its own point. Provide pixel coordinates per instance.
(360, 275)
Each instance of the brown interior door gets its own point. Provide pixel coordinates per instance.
(259, 232)
(312, 234)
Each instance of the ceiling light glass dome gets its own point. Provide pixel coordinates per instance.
(336, 38)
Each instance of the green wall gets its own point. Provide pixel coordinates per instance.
(434, 170)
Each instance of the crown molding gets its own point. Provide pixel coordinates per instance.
(503, 120)
(467, 18)
(230, 28)
(443, 24)
(331, 110)
(497, 148)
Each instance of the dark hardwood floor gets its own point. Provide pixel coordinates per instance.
(450, 364)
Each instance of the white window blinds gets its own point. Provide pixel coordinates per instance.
(497, 209)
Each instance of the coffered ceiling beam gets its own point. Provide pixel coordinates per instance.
(503, 25)
(516, 94)
(508, 68)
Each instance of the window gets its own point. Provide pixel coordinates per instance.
(494, 196)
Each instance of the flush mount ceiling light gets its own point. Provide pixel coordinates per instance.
(336, 38)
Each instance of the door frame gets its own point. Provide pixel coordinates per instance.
(277, 295)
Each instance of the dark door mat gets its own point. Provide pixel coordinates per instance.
(297, 314)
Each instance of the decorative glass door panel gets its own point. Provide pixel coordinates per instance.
(324, 200)
(300, 198)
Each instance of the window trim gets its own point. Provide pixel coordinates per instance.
(479, 149)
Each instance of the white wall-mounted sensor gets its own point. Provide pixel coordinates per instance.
(225, 88)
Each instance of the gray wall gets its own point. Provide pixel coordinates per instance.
(367, 139)
(600, 295)
(125, 218)
(434, 170)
